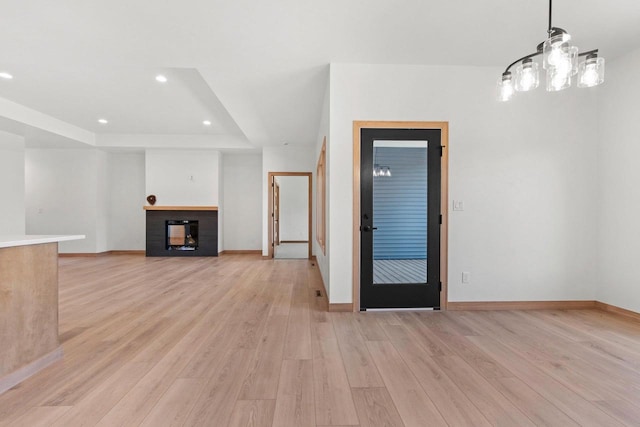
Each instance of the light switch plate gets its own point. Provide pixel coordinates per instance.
(458, 205)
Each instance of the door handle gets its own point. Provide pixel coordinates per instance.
(367, 228)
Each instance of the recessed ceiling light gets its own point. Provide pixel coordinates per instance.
(6, 75)
(103, 121)
(206, 123)
(160, 78)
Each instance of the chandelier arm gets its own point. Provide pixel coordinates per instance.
(589, 52)
(532, 55)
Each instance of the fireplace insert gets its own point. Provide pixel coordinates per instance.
(182, 235)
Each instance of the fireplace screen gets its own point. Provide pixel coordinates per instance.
(182, 235)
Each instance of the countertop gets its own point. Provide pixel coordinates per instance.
(11, 241)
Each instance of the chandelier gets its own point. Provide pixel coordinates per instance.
(561, 62)
(381, 170)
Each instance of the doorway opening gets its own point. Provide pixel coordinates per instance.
(400, 215)
(290, 214)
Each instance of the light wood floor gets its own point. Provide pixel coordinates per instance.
(238, 341)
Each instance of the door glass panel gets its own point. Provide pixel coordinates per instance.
(400, 212)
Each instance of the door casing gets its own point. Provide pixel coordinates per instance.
(276, 212)
(444, 185)
(270, 177)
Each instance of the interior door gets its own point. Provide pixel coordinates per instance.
(276, 213)
(400, 218)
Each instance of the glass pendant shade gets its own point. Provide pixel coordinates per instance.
(555, 49)
(558, 80)
(505, 87)
(527, 76)
(591, 72)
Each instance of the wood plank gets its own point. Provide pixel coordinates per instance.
(261, 382)
(90, 410)
(253, 413)
(412, 402)
(361, 370)
(570, 403)
(375, 408)
(298, 339)
(143, 396)
(369, 328)
(585, 379)
(333, 400)
(536, 407)
(174, 406)
(624, 411)
(427, 337)
(452, 403)
(497, 409)
(295, 402)
(218, 396)
(41, 416)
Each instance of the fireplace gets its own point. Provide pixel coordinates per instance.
(182, 231)
(182, 235)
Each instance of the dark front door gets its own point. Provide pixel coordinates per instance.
(400, 218)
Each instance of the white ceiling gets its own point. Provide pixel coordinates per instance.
(258, 69)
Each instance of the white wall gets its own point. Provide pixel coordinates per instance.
(125, 199)
(323, 132)
(281, 159)
(294, 207)
(62, 195)
(12, 205)
(242, 210)
(524, 169)
(619, 198)
(221, 216)
(183, 177)
(102, 206)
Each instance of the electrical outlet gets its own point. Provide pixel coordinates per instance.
(466, 277)
(458, 205)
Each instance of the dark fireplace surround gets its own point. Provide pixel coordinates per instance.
(182, 232)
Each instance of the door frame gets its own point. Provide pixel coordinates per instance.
(270, 177)
(444, 199)
(276, 212)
